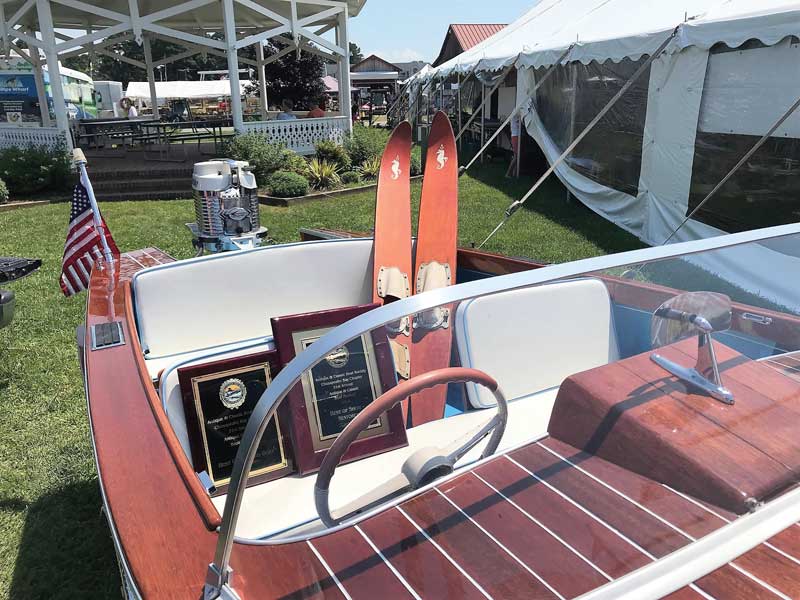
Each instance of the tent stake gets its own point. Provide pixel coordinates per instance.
(516, 205)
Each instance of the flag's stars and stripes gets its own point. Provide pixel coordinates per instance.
(84, 244)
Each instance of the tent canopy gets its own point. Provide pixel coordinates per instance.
(604, 30)
(182, 89)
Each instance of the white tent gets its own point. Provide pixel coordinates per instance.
(729, 71)
(183, 89)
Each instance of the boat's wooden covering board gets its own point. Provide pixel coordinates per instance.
(637, 415)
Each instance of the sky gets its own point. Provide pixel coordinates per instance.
(406, 30)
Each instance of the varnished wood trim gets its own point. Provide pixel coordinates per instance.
(424, 567)
(207, 510)
(559, 567)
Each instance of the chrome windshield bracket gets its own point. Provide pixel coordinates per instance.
(705, 375)
(218, 586)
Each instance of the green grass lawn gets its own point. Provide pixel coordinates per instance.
(54, 541)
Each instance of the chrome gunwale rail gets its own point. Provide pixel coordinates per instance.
(291, 373)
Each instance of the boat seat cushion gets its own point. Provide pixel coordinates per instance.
(532, 339)
(225, 298)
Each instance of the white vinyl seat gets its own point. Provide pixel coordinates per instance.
(531, 339)
(212, 301)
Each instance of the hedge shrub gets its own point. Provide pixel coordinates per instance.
(266, 158)
(3, 192)
(350, 177)
(333, 153)
(366, 143)
(286, 184)
(35, 169)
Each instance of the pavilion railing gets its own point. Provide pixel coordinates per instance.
(22, 137)
(302, 135)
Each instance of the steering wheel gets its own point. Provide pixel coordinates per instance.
(424, 465)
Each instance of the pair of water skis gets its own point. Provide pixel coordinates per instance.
(421, 342)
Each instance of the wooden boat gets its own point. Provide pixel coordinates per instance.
(569, 464)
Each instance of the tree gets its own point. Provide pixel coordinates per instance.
(356, 56)
(299, 80)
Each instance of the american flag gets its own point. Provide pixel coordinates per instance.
(84, 244)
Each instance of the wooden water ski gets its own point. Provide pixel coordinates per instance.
(392, 247)
(435, 265)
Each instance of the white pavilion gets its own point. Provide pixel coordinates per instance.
(35, 30)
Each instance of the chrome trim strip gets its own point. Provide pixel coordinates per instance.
(292, 373)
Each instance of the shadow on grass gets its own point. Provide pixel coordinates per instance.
(66, 549)
(550, 201)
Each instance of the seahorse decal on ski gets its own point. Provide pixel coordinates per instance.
(441, 158)
(396, 170)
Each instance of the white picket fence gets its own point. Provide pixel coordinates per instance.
(23, 137)
(302, 135)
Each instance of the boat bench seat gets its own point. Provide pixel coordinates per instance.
(531, 339)
(213, 301)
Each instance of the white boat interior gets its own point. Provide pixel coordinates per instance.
(530, 338)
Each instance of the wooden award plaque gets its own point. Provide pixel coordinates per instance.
(218, 399)
(335, 390)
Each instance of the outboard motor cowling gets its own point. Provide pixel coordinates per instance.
(226, 207)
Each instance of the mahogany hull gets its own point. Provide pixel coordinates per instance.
(545, 521)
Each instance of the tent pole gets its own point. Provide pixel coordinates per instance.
(458, 107)
(518, 156)
(151, 80)
(417, 100)
(517, 108)
(480, 108)
(397, 100)
(483, 118)
(738, 166)
(516, 205)
(573, 104)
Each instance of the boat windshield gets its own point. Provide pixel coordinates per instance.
(528, 332)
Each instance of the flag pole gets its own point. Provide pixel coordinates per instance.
(80, 161)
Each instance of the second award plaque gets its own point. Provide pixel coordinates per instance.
(339, 387)
(218, 399)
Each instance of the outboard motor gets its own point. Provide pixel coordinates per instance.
(226, 207)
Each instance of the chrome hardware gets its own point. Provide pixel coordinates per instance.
(759, 319)
(437, 318)
(217, 585)
(107, 335)
(681, 310)
(205, 480)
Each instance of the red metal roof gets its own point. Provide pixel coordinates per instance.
(472, 34)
